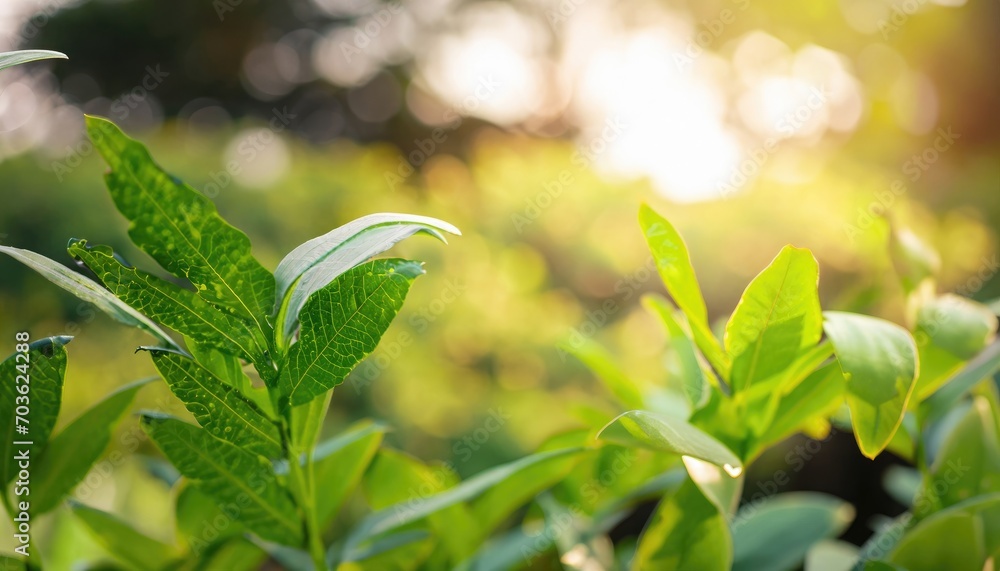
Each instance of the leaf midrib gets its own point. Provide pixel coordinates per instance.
(759, 342)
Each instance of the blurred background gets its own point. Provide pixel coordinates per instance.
(537, 128)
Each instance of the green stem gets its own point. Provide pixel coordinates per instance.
(304, 493)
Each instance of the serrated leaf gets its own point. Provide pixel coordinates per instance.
(10, 59)
(46, 368)
(88, 291)
(659, 432)
(217, 407)
(341, 324)
(182, 230)
(776, 533)
(123, 541)
(685, 532)
(179, 309)
(70, 454)
(229, 475)
(339, 463)
(777, 317)
(317, 262)
(394, 517)
(879, 361)
(674, 265)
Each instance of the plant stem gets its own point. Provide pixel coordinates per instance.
(304, 494)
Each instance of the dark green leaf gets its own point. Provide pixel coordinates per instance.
(123, 541)
(229, 475)
(218, 407)
(341, 324)
(45, 365)
(69, 456)
(181, 229)
(879, 361)
(777, 318)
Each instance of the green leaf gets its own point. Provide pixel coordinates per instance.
(341, 324)
(88, 291)
(723, 491)
(70, 454)
(196, 516)
(674, 264)
(983, 366)
(314, 264)
(217, 407)
(179, 309)
(11, 563)
(811, 400)
(831, 555)
(685, 532)
(10, 59)
(123, 541)
(959, 538)
(339, 463)
(658, 432)
(229, 369)
(968, 463)
(596, 358)
(694, 381)
(957, 324)
(776, 533)
(181, 229)
(45, 368)
(777, 317)
(879, 361)
(229, 475)
(395, 517)
(914, 260)
(236, 554)
(307, 421)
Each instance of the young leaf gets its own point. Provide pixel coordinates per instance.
(314, 264)
(695, 383)
(820, 393)
(229, 475)
(69, 456)
(341, 324)
(46, 367)
(181, 229)
(89, 291)
(777, 317)
(123, 541)
(179, 309)
(685, 532)
(307, 421)
(879, 361)
(339, 464)
(658, 432)
(218, 408)
(674, 264)
(393, 518)
(10, 59)
(777, 533)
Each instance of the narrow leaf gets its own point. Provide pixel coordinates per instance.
(229, 474)
(219, 408)
(181, 229)
(602, 364)
(879, 361)
(123, 541)
(339, 463)
(777, 317)
(983, 366)
(10, 59)
(69, 456)
(44, 367)
(88, 291)
(341, 324)
(658, 432)
(695, 381)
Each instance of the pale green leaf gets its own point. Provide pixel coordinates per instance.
(339, 463)
(123, 541)
(89, 291)
(45, 368)
(659, 432)
(914, 260)
(316, 263)
(831, 555)
(818, 395)
(694, 381)
(218, 407)
(10, 59)
(685, 532)
(777, 318)
(229, 474)
(983, 366)
(957, 324)
(879, 361)
(341, 324)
